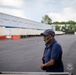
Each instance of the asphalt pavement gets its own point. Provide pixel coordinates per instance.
(24, 55)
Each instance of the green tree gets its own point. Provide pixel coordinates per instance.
(57, 27)
(46, 19)
(75, 28)
(55, 22)
(63, 28)
(70, 22)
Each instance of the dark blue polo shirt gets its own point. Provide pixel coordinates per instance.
(54, 51)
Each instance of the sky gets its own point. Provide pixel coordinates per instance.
(57, 10)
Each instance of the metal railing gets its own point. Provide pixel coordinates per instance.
(38, 73)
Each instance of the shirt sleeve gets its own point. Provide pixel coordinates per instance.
(56, 52)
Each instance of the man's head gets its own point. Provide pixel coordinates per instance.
(48, 35)
(47, 32)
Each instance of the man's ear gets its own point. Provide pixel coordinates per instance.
(51, 36)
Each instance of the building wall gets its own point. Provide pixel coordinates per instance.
(11, 25)
(12, 21)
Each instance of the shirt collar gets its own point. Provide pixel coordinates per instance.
(51, 43)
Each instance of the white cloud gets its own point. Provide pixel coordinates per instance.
(69, 3)
(11, 7)
(65, 15)
(13, 3)
(14, 12)
(61, 10)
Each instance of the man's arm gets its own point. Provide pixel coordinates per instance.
(50, 63)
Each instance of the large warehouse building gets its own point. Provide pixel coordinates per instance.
(15, 27)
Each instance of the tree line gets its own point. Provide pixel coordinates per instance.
(67, 27)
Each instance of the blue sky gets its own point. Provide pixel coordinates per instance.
(57, 10)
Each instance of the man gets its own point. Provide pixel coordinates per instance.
(52, 57)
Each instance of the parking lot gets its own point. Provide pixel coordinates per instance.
(24, 55)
